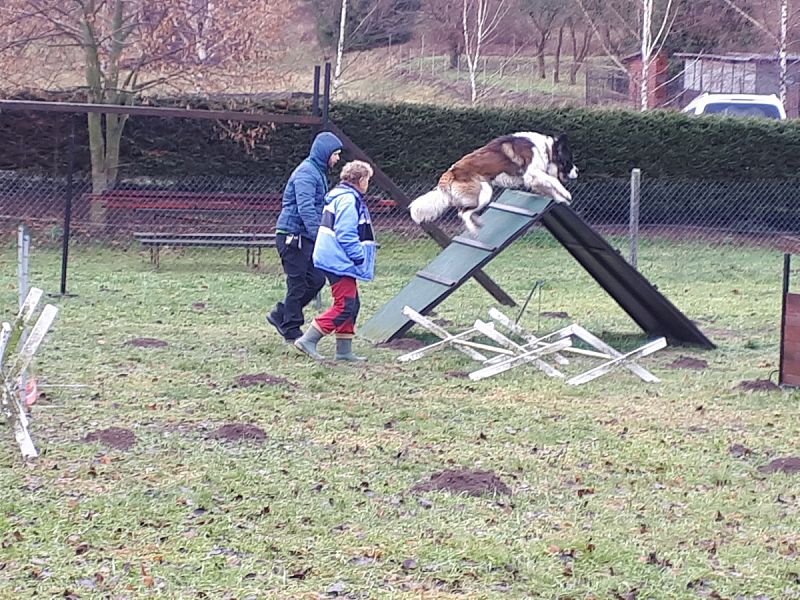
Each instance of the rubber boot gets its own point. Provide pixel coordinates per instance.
(307, 343)
(344, 350)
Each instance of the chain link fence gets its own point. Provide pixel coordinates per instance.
(686, 210)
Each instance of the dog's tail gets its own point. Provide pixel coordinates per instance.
(430, 206)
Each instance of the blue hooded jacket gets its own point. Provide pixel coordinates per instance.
(304, 195)
(346, 242)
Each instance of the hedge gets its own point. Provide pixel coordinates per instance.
(414, 142)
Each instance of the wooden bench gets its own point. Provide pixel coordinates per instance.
(252, 242)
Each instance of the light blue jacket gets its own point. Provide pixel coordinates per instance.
(346, 242)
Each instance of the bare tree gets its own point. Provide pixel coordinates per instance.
(337, 72)
(447, 17)
(129, 46)
(648, 22)
(779, 38)
(580, 35)
(546, 18)
(480, 19)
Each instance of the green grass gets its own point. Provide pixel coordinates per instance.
(618, 487)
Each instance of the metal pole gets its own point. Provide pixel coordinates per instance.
(23, 255)
(326, 97)
(315, 100)
(787, 265)
(68, 207)
(633, 223)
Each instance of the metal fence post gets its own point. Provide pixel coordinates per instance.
(68, 207)
(633, 223)
(23, 256)
(23, 267)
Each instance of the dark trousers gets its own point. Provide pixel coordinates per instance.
(303, 282)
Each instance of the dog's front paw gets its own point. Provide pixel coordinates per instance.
(565, 198)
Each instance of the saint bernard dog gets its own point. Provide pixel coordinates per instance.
(533, 161)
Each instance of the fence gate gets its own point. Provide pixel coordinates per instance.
(790, 331)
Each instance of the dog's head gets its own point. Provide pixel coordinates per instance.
(562, 156)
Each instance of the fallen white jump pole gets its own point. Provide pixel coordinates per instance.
(11, 337)
(530, 356)
(441, 332)
(623, 360)
(531, 339)
(518, 350)
(595, 341)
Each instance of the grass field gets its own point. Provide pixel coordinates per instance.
(618, 489)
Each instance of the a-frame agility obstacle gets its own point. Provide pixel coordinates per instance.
(505, 220)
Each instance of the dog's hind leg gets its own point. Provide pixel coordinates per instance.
(470, 216)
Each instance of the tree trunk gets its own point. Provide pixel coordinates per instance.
(557, 58)
(114, 126)
(647, 36)
(573, 68)
(454, 51)
(337, 73)
(782, 51)
(540, 64)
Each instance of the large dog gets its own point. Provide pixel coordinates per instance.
(533, 161)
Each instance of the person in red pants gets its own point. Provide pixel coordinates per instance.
(345, 251)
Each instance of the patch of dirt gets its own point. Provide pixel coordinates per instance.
(147, 343)
(687, 362)
(115, 437)
(458, 374)
(199, 306)
(234, 432)
(443, 322)
(259, 379)
(739, 451)
(406, 344)
(472, 483)
(788, 464)
(757, 385)
(558, 314)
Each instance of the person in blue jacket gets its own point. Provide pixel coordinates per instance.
(345, 252)
(296, 230)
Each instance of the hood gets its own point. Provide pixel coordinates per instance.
(324, 145)
(341, 189)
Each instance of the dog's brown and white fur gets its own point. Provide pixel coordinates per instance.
(528, 160)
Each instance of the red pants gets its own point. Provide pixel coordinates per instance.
(341, 317)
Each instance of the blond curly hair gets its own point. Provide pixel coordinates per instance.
(355, 171)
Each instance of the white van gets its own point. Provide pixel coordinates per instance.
(766, 106)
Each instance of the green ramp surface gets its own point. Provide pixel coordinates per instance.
(503, 222)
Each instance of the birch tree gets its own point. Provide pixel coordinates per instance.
(778, 35)
(646, 21)
(480, 20)
(337, 72)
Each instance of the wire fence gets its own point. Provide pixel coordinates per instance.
(691, 211)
